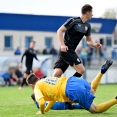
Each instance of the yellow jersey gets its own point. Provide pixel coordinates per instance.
(51, 89)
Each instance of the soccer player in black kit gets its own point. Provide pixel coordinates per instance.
(30, 53)
(75, 29)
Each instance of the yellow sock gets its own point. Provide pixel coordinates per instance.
(96, 81)
(105, 106)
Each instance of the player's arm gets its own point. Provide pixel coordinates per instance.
(41, 105)
(60, 31)
(92, 43)
(89, 40)
(60, 34)
(36, 57)
(22, 58)
(66, 26)
(40, 99)
(50, 104)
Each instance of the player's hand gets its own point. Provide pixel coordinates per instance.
(69, 101)
(38, 113)
(99, 46)
(20, 65)
(64, 48)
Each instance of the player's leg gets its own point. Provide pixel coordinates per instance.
(79, 70)
(85, 98)
(96, 81)
(20, 83)
(86, 101)
(26, 74)
(19, 77)
(103, 106)
(78, 90)
(77, 65)
(72, 59)
(23, 80)
(75, 62)
(57, 72)
(60, 67)
(28, 71)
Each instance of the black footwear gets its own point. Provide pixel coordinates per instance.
(106, 65)
(33, 97)
(116, 97)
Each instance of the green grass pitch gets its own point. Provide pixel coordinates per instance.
(14, 103)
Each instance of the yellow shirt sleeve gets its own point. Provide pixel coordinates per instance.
(38, 94)
(50, 104)
(40, 99)
(42, 105)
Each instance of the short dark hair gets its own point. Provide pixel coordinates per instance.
(32, 79)
(33, 41)
(86, 8)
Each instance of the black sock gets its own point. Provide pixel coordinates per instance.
(77, 74)
(24, 82)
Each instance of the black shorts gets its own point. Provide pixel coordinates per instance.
(67, 58)
(19, 74)
(29, 69)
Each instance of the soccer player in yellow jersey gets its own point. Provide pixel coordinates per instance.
(75, 89)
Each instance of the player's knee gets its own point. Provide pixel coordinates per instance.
(79, 68)
(92, 108)
(83, 70)
(92, 91)
(57, 73)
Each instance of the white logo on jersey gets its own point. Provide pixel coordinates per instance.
(51, 80)
(78, 60)
(86, 28)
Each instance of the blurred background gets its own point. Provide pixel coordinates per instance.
(24, 20)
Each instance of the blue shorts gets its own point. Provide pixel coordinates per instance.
(78, 90)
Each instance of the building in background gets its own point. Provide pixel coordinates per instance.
(17, 30)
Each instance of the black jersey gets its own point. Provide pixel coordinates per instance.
(30, 54)
(76, 29)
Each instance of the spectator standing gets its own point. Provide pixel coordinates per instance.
(45, 51)
(17, 51)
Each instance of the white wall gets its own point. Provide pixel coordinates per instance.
(19, 40)
(38, 36)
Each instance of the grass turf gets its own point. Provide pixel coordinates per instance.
(14, 103)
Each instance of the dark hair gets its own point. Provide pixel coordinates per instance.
(86, 8)
(32, 79)
(33, 41)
